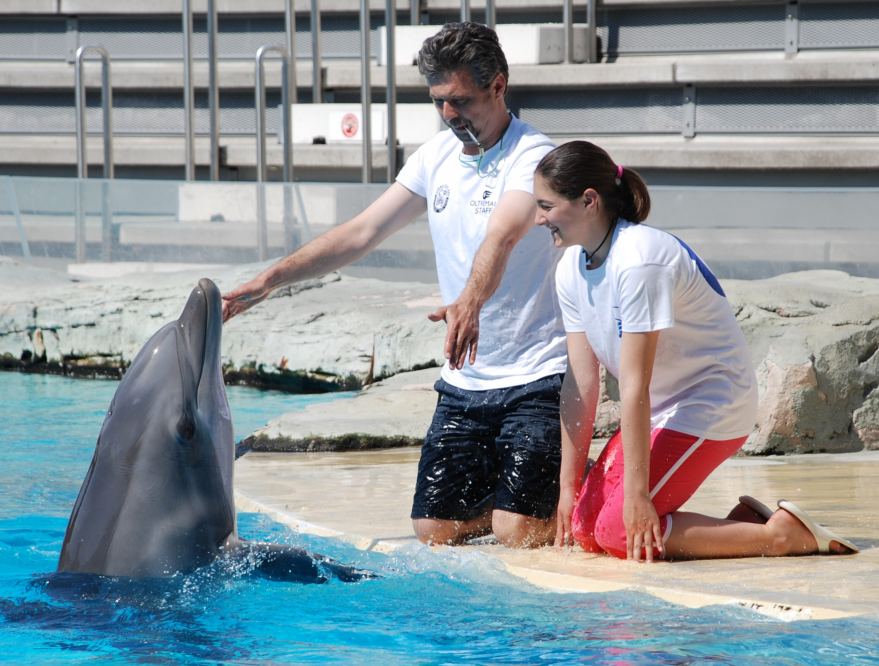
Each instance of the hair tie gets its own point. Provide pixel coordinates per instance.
(619, 174)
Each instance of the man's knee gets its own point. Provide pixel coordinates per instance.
(433, 531)
(515, 530)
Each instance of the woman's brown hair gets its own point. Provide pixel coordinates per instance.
(574, 167)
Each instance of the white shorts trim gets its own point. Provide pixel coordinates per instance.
(674, 468)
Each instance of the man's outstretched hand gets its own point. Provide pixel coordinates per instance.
(462, 336)
(244, 297)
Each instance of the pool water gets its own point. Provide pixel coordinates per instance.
(428, 608)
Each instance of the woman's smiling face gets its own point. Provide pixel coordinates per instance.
(565, 218)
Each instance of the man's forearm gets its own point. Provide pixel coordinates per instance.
(330, 251)
(488, 269)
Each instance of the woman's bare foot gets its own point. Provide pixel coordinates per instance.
(791, 537)
(745, 514)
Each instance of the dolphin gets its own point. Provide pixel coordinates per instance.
(157, 499)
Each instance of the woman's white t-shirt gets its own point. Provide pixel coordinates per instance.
(521, 337)
(703, 380)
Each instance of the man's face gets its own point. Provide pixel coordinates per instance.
(461, 104)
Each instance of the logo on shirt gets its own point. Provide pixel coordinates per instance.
(486, 194)
(618, 319)
(441, 198)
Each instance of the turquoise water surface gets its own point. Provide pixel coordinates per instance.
(428, 608)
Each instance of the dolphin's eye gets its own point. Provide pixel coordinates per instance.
(185, 427)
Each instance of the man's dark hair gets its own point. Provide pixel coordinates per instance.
(464, 45)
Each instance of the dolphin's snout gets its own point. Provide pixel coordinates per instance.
(200, 327)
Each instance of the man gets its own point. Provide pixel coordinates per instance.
(490, 462)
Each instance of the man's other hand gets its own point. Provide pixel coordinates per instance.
(462, 336)
(244, 297)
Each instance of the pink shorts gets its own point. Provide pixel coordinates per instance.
(679, 464)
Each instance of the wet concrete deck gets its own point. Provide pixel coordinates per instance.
(364, 498)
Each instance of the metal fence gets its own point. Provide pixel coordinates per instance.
(741, 232)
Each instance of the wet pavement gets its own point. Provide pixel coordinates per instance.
(364, 498)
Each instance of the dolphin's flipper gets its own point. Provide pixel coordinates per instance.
(288, 564)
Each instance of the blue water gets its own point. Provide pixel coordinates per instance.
(429, 608)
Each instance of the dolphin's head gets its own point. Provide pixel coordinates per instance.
(158, 496)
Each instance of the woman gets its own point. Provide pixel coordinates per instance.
(641, 303)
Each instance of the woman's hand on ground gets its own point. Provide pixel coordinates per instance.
(643, 529)
(244, 297)
(564, 514)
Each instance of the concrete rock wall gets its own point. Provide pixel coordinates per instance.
(813, 337)
(335, 333)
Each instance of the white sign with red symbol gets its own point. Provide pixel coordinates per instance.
(348, 125)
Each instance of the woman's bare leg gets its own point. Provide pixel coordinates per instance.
(694, 536)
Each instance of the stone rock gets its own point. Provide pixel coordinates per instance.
(335, 333)
(390, 413)
(813, 337)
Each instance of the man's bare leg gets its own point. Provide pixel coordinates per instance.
(511, 529)
(435, 531)
(694, 536)
(517, 531)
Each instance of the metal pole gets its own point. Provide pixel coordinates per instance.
(260, 94)
(465, 10)
(261, 166)
(106, 104)
(16, 212)
(316, 54)
(568, 21)
(79, 239)
(490, 14)
(290, 26)
(213, 90)
(365, 91)
(592, 31)
(415, 12)
(106, 223)
(188, 92)
(391, 91)
(290, 241)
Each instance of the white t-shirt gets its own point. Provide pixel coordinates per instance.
(703, 379)
(521, 337)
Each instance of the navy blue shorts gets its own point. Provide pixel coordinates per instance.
(498, 449)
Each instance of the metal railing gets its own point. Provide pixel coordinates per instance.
(290, 83)
(261, 166)
(366, 91)
(81, 154)
(391, 89)
(106, 104)
(213, 90)
(290, 35)
(316, 54)
(188, 92)
(742, 232)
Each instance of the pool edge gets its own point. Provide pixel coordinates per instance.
(559, 582)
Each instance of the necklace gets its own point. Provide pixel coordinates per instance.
(590, 256)
(479, 145)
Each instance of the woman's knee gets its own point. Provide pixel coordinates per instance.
(610, 534)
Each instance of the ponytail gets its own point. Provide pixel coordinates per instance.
(574, 167)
